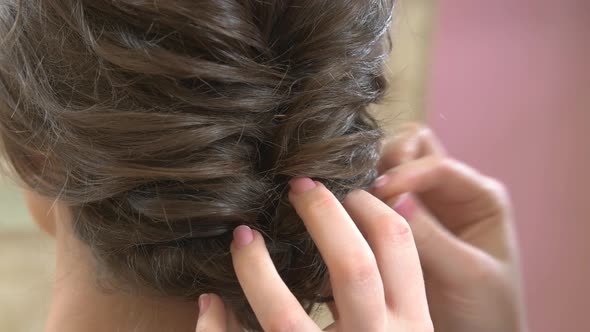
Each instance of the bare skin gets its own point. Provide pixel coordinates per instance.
(461, 221)
(79, 305)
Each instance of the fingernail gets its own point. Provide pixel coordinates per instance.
(401, 200)
(406, 207)
(380, 181)
(301, 184)
(243, 236)
(204, 302)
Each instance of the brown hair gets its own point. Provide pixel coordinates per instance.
(165, 124)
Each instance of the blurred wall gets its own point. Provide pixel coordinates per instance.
(510, 94)
(409, 63)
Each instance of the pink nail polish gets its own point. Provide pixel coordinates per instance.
(400, 200)
(406, 207)
(380, 181)
(301, 184)
(243, 236)
(204, 302)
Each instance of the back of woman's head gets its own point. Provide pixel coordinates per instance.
(164, 124)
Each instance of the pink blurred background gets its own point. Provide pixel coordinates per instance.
(510, 94)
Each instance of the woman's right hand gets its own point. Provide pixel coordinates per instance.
(370, 252)
(462, 224)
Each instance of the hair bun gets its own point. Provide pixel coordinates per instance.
(165, 124)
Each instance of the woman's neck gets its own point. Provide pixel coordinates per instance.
(79, 305)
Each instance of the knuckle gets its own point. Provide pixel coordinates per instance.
(497, 190)
(429, 136)
(359, 269)
(447, 166)
(494, 191)
(493, 186)
(390, 228)
(484, 271)
(425, 133)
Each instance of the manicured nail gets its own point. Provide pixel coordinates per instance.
(407, 208)
(243, 236)
(204, 302)
(401, 200)
(301, 184)
(380, 181)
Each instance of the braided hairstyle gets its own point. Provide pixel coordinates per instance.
(165, 124)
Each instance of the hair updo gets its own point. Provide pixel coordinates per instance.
(165, 124)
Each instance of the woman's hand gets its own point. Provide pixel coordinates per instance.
(462, 225)
(370, 252)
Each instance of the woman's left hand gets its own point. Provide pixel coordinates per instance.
(365, 245)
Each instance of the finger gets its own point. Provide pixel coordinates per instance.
(401, 148)
(442, 180)
(390, 238)
(414, 141)
(432, 173)
(429, 144)
(212, 315)
(432, 240)
(276, 308)
(354, 275)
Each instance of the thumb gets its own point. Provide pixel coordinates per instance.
(212, 316)
(443, 256)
